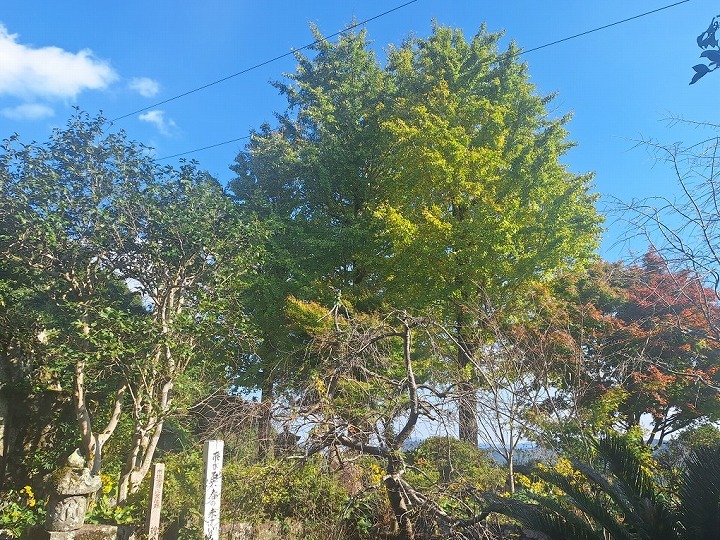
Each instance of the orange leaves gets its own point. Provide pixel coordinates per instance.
(648, 330)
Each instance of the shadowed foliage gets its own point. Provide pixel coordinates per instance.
(619, 498)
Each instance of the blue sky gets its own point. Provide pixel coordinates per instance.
(621, 83)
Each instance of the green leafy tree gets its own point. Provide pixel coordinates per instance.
(57, 196)
(145, 266)
(476, 203)
(180, 242)
(311, 181)
(430, 183)
(697, 437)
(22, 301)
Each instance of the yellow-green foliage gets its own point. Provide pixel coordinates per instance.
(309, 317)
(279, 490)
(273, 490)
(449, 467)
(103, 509)
(537, 486)
(20, 509)
(182, 491)
(468, 464)
(368, 509)
(602, 411)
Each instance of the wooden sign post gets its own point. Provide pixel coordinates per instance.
(156, 492)
(212, 480)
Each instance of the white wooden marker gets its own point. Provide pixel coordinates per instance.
(212, 479)
(156, 491)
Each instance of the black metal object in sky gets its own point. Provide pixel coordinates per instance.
(711, 50)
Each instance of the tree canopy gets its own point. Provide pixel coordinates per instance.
(402, 254)
(130, 258)
(430, 181)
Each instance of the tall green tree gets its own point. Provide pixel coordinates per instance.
(142, 264)
(311, 180)
(477, 204)
(433, 182)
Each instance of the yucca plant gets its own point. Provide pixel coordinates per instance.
(620, 500)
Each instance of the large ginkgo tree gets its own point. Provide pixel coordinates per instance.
(431, 181)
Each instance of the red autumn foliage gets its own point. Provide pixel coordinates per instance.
(651, 333)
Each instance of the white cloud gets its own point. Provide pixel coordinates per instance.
(28, 111)
(145, 86)
(157, 118)
(48, 72)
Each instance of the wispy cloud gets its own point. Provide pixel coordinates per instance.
(157, 118)
(28, 111)
(145, 86)
(48, 72)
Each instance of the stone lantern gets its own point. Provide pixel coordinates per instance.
(70, 487)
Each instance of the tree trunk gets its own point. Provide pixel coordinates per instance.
(265, 421)
(81, 410)
(397, 499)
(139, 461)
(467, 419)
(127, 472)
(467, 402)
(144, 442)
(102, 438)
(511, 473)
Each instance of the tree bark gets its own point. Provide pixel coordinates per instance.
(396, 497)
(102, 438)
(511, 472)
(265, 420)
(81, 411)
(467, 400)
(144, 443)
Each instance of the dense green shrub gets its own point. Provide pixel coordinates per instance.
(19, 509)
(281, 489)
(449, 470)
(445, 460)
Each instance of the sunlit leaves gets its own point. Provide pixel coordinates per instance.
(647, 346)
(474, 195)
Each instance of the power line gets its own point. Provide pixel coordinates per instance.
(515, 55)
(266, 62)
(203, 148)
(603, 27)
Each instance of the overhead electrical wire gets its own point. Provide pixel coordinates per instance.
(602, 27)
(514, 55)
(266, 62)
(203, 148)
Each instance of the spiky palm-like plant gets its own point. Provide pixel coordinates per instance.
(620, 500)
(699, 495)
